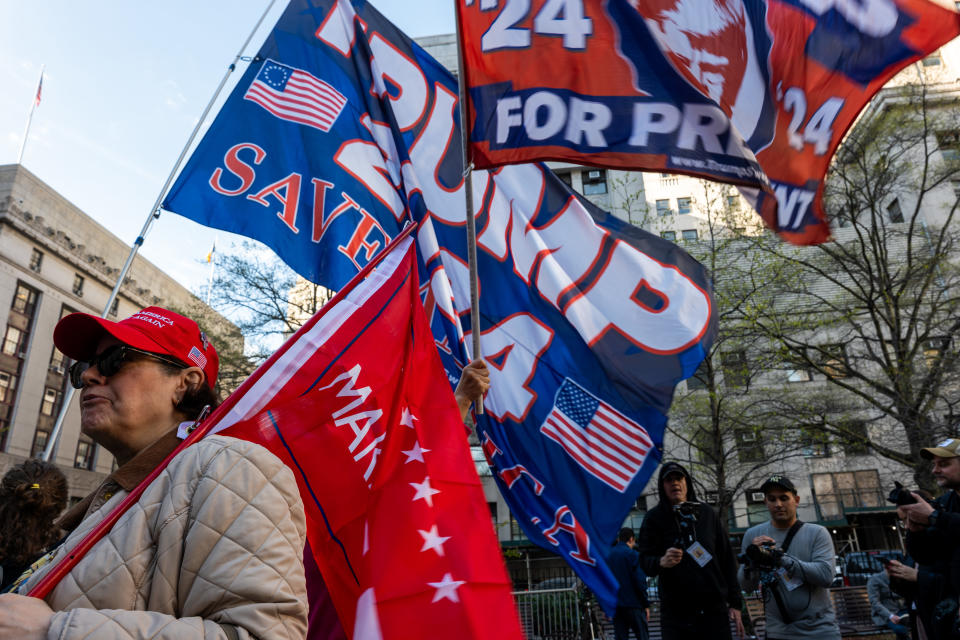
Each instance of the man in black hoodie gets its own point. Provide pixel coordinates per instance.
(698, 585)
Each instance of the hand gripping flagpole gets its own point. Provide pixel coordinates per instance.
(468, 195)
(154, 214)
(203, 425)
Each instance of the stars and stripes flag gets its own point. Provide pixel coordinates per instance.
(397, 521)
(295, 95)
(603, 441)
(36, 102)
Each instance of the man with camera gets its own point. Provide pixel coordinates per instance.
(793, 563)
(682, 542)
(933, 540)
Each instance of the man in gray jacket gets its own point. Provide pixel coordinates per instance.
(886, 608)
(795, 596)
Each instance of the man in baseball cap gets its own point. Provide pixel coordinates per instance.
(930, 538)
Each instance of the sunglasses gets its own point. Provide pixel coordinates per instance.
(109, 361)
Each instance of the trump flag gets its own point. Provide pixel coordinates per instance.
(757, 93)
(396, 517)
(570, 296)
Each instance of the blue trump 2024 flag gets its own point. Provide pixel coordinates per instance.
(588, 322)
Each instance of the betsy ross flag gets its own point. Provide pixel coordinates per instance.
(295, 95)
(599, 438)
(397, 521)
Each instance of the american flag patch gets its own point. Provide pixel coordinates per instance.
(600, 439)
(196, 357)
(295, 95)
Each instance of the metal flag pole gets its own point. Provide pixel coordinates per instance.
(153, 215)
(468, 196)
(26, 131)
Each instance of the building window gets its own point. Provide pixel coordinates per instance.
(57, 361)
(669, 235)
(699, 379)
(11, 341)
(36, 260)
(594, 182)
(689, 235)
(733, 203)
(8, 384)
(25, 299)
(114, 307)
(39, 442)
(894, 213)
(853, 438)
(749, 446)
(735, 373)
(815, 444)
(949, 144)
(932, 60)
(798, 375)
(683, 206)
(84, 456)
(49, 405)
(834, 361)
(516, 533)
(663, 208)
(565, 178)
(78, 285)
(835, 493)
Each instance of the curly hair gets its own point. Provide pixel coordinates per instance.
(32, 494)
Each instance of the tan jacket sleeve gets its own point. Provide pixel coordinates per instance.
(243, 533)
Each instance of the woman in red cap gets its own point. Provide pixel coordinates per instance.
(214, 546)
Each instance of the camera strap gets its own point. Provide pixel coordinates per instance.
(777, 597)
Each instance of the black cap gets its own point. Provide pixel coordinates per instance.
(778, 481)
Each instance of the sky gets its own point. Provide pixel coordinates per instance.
(124, 85)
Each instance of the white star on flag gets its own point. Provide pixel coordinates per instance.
(416, 453)
(446, 588)
(407, 418)
(424, 491)
(433, 540)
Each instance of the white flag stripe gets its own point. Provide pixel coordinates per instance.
(614, 481)
(292, 101)
(597, 449)
(630, 431)
(594, 446)
(279, 106)
(571, 438)
(313, 99)
(620, 437)
(315, 89)
(291, 361)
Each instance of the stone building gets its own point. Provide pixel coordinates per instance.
(55, 260)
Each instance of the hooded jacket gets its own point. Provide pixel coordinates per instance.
(713, 586)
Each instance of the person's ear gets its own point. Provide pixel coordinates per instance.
(190, 378)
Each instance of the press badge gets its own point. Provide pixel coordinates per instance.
(700, 555)
(788, 582)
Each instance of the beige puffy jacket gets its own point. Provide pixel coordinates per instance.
(213, 549)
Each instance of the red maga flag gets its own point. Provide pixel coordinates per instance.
(358, 405)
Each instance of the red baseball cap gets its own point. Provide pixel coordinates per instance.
(153, 329)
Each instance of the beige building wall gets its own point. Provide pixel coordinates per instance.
(79, 261)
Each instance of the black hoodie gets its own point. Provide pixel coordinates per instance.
(713, 586)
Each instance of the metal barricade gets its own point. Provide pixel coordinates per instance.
(550, 614)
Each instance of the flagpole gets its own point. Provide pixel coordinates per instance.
(468, 195)
(33, 106)
(153, 215)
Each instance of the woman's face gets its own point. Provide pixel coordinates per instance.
(130, 409)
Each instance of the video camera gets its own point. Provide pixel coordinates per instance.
(764, 557)
(901, 496)
(686, 514)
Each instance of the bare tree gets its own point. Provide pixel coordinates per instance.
(875, 311)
